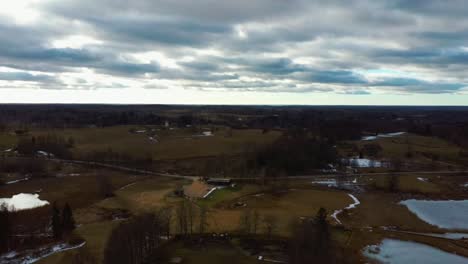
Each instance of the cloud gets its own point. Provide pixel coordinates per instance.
(296, 46)
(337, 76)
(24, 76)
(410, 85)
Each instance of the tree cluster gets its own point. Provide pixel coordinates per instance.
(311, 241)
(295, 154)
(135, 241)
(62, 222)
(5, 228)
(30, 166)
(190, 218)
(53, 144)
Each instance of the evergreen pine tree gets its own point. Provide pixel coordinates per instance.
(56, 222)
(5, 228)
(68, 222)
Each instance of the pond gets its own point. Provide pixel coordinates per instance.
(404, 252)
(448, 214)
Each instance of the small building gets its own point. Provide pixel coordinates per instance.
(219, 181)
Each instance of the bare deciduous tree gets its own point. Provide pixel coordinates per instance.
(270, 223)
(134, 241)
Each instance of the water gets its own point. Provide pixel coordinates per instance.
(444, 214)
(403, 252)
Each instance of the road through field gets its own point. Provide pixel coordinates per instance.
(300, 177)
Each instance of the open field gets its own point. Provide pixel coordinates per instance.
(377, 209)
(375, 213)
(171, 144)
(82, 190)
(222, 252)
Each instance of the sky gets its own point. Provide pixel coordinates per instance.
(281, 52)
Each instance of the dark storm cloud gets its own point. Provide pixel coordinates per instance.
(263, 45)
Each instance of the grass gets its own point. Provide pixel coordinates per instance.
(288, 206)
(226, 194)
(382, 209)
(78, 191)
(422, 147)
(7, 140)
(96, 236)
(408, 184)
(209, 253)
(147, 195)
(173, 144)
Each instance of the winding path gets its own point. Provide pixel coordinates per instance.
(355, 203)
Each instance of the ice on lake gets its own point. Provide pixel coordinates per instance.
(403, 252)
(448, 214)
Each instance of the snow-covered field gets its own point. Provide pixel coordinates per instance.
(445, 214)
(23, 201)
(403, 252)
(387, 135)
(351, 206)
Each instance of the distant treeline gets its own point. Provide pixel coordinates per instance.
(47, 145)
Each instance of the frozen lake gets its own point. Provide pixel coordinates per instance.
(444, 214)
(403, 252)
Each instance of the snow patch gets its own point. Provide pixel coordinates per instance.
(209, 192)
(23, 201)
(355, 203)
(44, 154)
(329, 183)
(386, 135)
(422, 179)
(15, 181)
(364, 163)
(207, 133)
